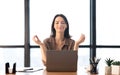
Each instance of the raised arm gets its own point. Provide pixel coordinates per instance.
(42, 46)
(79, 41)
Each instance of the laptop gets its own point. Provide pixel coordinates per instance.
(61, 61)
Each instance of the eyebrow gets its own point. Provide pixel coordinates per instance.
(60, 21)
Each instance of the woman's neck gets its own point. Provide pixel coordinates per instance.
(59, 37)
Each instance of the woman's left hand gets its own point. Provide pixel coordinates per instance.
(80, 40)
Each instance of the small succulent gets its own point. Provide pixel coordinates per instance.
(116, 63)
(109, 61)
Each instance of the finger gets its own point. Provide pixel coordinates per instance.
(35, 38)
(82, 35)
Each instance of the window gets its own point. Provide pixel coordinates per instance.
(107, 22)
(42, 13)
(11, 31)
(11, 55)
(107, 29)
(12, 22)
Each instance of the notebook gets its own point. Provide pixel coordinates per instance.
(61, 61)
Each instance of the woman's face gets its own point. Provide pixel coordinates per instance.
(60, 24)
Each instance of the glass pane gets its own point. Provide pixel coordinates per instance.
(36, 60)
(11, 22)
(11, 55)
(42, 13)
(104, 53)
(108, 16)
(83, 57)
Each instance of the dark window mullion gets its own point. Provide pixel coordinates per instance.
(92, 28)
(27, 36)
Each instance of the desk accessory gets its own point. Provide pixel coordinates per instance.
(94, 62)
(9, 70)
(29, 69)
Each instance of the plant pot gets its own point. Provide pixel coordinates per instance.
(107, 70)
(116, 69)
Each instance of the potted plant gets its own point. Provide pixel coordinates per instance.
(108, 67)
(116, 67)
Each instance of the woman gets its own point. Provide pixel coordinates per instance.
(59, 39)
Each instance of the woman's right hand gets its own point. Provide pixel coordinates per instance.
(37, 40)
(42, 46)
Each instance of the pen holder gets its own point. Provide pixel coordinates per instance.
(9, 70)
(94, 69)
(94, 63)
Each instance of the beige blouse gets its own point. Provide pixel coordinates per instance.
(50, 44)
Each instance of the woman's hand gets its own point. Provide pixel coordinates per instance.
(37, 40)
(42, 46)
(80, 40)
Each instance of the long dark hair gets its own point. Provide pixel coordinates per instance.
(66, 33)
